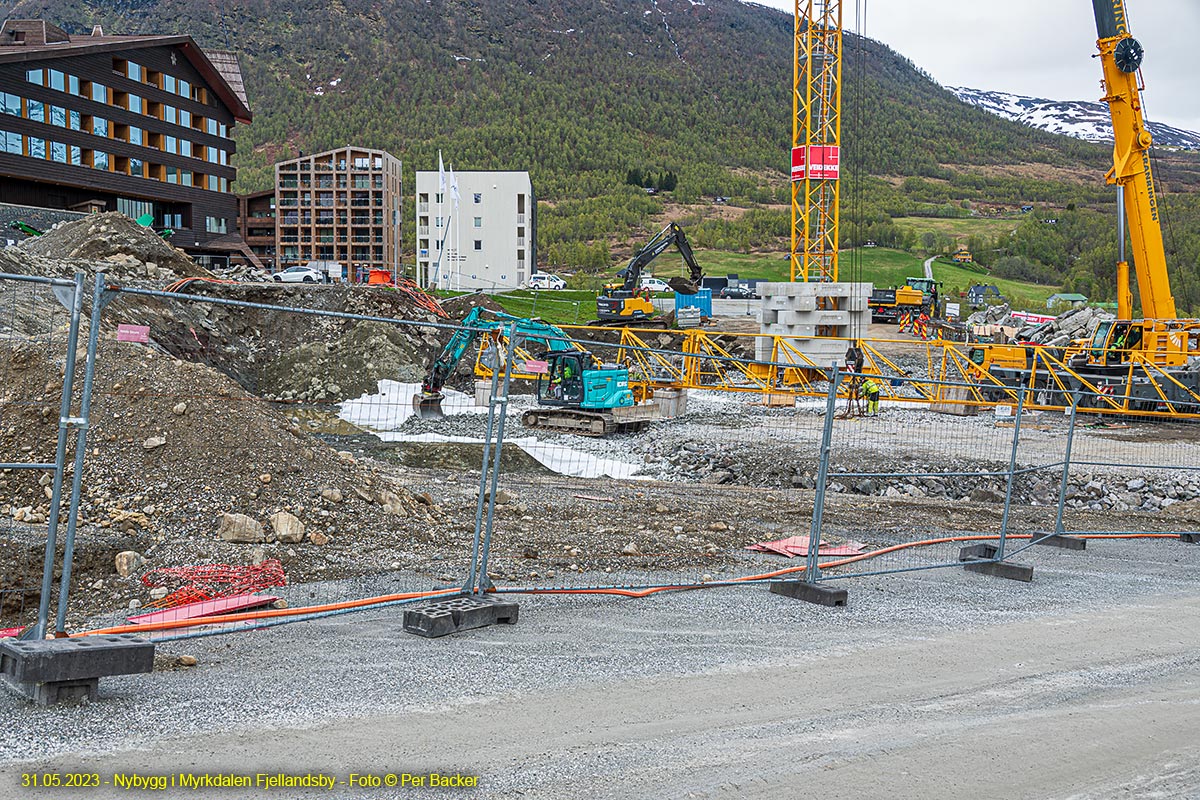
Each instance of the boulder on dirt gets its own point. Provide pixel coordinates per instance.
(287, 527)
(240, 528)
(128, 562)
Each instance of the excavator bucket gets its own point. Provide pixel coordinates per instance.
(683, 286)
(428, 406)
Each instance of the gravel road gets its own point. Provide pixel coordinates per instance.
(934, 684)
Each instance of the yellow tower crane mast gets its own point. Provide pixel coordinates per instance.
(816, 139)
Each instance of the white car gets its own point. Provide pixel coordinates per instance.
(298, 275)
(545, 280)
(655, 284)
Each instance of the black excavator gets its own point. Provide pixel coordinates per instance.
(627, 301)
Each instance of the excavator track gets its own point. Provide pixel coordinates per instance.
(582, 423)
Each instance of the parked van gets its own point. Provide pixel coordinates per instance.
(545, 280)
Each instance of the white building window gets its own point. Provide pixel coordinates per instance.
(478, 198)
(479, 222)
(478, 244)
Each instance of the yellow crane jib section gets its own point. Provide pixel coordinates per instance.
(1121, 56)
(816, 140)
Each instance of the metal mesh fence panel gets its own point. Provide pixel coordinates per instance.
(243, 448)
(37, 339)
(1132, 474)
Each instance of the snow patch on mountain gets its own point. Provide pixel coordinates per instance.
(1081, 119)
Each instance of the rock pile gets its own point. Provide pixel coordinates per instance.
(111, 243)
(1078, 323)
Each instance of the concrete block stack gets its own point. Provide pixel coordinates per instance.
(801, 313)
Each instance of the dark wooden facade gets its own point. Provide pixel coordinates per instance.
(101, 61)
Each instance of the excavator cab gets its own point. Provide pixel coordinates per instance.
(562, 383)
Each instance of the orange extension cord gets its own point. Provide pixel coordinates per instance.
(367, 602)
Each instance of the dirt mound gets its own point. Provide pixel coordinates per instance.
(282, 355)
(174, 446)
(121, 247)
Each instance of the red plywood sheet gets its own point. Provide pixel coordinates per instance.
(206, 608)
(798, 546)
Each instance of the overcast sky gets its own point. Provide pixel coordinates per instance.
(1039, 48)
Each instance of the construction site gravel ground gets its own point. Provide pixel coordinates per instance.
(936, 684)
(234, 411)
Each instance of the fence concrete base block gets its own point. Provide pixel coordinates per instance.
(977, 558)
(50, 671)
(810, 592)
(458, 614)
(1190, 538)
(1059, 540)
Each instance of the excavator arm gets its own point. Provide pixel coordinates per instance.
(672, 235)
(1121, 57)
(428, 403)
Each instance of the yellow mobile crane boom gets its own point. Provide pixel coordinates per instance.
(1121, 56)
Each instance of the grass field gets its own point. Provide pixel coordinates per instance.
(882, 267)
(960, 228)
(877, 265)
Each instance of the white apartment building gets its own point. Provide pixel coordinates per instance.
(486, 240)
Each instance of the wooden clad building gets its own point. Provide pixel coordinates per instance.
(136, 124)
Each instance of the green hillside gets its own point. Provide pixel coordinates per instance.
(585, 93)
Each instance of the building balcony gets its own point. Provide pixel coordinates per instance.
(520, 241)
(423, 208)
(520, 219)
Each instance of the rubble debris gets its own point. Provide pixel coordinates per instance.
(114, 244)
(999, 323)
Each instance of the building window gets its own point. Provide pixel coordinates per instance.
(479, 222)
(169, 83)
(212, 155)
(73, 84)
(58, 80)
(185, 148)
(213, 184)
(185, 177)
(478, 244)
(137, 168)
(35, 76)
(135, 104)
(172, 175)
(100, 160)
(100, 126)
(10, 104)
(76, 157)
(211, 126)
(438, 224)
(171, 144)
(37, 110)
(58, 116)
(478, 198)
(58, 152)
(185, 88)
(134, 72)
(99, 93)
(170, 114)
(214, 224)
(37, 147)
(135, 136)
(185, 118)
(75, 121)
(12, 143)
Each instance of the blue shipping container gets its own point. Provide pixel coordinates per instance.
(701, 300)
